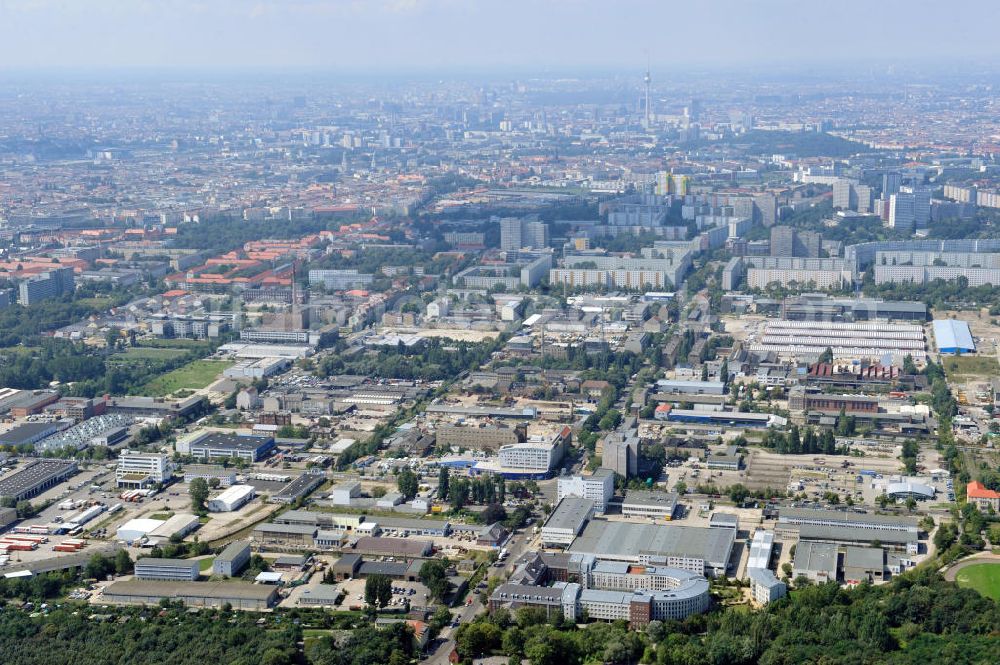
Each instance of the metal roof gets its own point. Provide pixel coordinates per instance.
(953, 334)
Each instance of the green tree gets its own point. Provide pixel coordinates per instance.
(378, 590)
(198, 491)
(443, 477)
(408, 484)
(434, 576)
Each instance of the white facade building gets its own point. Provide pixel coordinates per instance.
(138, 470)
(599, 488)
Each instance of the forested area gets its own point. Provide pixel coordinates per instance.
(917, 618)
(436, 360)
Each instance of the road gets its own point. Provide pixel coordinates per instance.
(445, 642)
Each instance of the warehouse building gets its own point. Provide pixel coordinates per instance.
(394, 547)
(238, 595)
(789, 518)
(221, 445)
(151, 568)
(816, 561)
(35, 477)
(847, 340)
(864, 564)
(175, 526)
(406, 527)
(299, 488)
(284, 536)
(225, 476)
(232, 499)
(851, 535)
(760, 549)
(566, 521)
(28, 434)
(648, 504)
(233, 559)
(701, 550)
(953, 337)
(321, 595)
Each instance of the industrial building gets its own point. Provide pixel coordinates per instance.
(35, 477)
(231, 561)
(816, 561)
(225, 476)
(28, 434)
(701, 550)
(231, 499)
(566, 521)
(953, 337)
(760, 549)
(298, 488)
(151, 568)
(846, 340)
(789, 518)
(240, 596)
(221, 445)
(284, 536)
(649, 504)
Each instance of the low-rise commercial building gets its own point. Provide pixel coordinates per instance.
(231, 561)
(566, 521)
(240, 596)
(649, 504)
(232, 499)
(35, 477)
(151, 568)
(220, 445)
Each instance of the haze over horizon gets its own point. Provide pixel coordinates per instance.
(453, 35)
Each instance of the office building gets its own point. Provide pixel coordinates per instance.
(765, 587)
(599, 488)
(649, 504)
(137, 470)
(891, 182)
(150, 568)
(233, 559)
(532, 455)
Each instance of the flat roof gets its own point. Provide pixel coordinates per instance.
(845, 518)
(214, 590)
(953, 334)
(628, 540)
(300, 529)
(233, 549)
(570, 513)
(26, 431)
(170, 563)
(869, 558)
(36, 472)
(855, 534)
(649, 498)
(817, 557)
(231, 441)
(407, 523)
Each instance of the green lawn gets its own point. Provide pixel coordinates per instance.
(205, 564)
(194, 375)
(983, 577)
(147, 354)
(971, 366)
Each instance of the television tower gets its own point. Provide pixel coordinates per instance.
(647, 79)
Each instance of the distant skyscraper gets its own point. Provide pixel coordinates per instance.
(891, 182)
(863, 198)
(647, 80)
(842, 193)
(765, 208)
(520, 233)
(782, 241)
(901, 215)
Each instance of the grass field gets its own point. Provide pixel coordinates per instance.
(205, 565)
(983, 577)
(174, 343)
(147, 354)
(971, 366)
(192, 376)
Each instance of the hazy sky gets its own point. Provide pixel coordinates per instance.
(407, 35)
